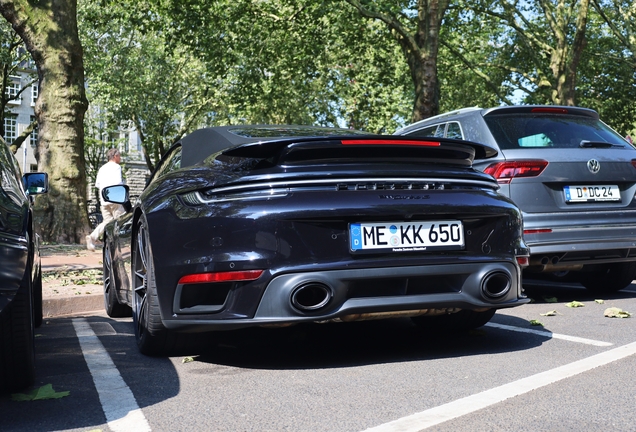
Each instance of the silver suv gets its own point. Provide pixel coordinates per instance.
(573, 177)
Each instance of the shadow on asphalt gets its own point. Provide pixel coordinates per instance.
(337, 345)
(60, 362)
(541, 291)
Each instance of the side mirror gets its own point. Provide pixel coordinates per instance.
(35, 183)
(117, 194)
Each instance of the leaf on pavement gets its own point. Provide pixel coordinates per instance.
(574, 304)
(187, 359)
(615, 312)
(536, 323)
(42, 393)
(551, 313)
(599, 301)
(550, 299)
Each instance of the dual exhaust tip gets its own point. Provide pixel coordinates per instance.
(313, 296)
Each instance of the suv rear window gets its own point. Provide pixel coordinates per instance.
(516, 131)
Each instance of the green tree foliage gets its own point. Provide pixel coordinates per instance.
(471, 64)
(415, 26)
(607, 77)
(134, 74)
(279, 61)
(548, 37)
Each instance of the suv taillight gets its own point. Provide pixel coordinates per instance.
(504, 172)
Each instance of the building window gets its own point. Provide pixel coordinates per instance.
(10, 127)
(35, 91)
(33, 168)
(126, 142)
(34, 134)
(13, 89)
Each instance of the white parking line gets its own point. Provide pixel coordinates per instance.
(467, 405)
(550, 335)
(119, 404)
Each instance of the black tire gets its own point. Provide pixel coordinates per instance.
(463, 320)
(151, 335)
(114, 309)
(37, 299)
(610, 278)
(17, 353)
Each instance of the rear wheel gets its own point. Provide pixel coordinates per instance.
(151, 335)
(609, 278)
(113, 308)
(456, 322)
(17, 361)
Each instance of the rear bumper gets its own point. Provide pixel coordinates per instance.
(580, 245)
(358, 293)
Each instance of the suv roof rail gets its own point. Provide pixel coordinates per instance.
(437, 117)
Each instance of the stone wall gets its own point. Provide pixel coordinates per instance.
(135, 174)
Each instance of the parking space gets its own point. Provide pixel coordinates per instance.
(377, 375)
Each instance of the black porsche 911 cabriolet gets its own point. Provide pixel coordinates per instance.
(272, 225)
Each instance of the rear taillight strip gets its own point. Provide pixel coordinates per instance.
(336, 181)
(232, 276)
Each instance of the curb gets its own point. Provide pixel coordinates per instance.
(55, 307)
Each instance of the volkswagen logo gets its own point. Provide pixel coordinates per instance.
(594, 166)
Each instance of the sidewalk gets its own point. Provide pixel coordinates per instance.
(65, 258)
(89, 260)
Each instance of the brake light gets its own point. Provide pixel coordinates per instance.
(233, 276)
(391, 142)
(504, 172)
(549, 110)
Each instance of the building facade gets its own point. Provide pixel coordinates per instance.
(20, 113)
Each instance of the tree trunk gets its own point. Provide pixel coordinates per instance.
(566, 54)
(49, 31)
(420, 50)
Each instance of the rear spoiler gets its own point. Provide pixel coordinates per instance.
(363, 147)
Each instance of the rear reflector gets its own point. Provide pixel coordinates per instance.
(523, 261)
(537, 231)
(391, 142)
(504, 172)
(233, 276)
(634, 163)
(549, 110)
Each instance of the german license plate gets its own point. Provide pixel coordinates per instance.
(406, 236)
(592, 193)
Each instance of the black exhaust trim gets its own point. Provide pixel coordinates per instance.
(311, 296)
(495, 285)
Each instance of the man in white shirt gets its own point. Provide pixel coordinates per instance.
(108, 175)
